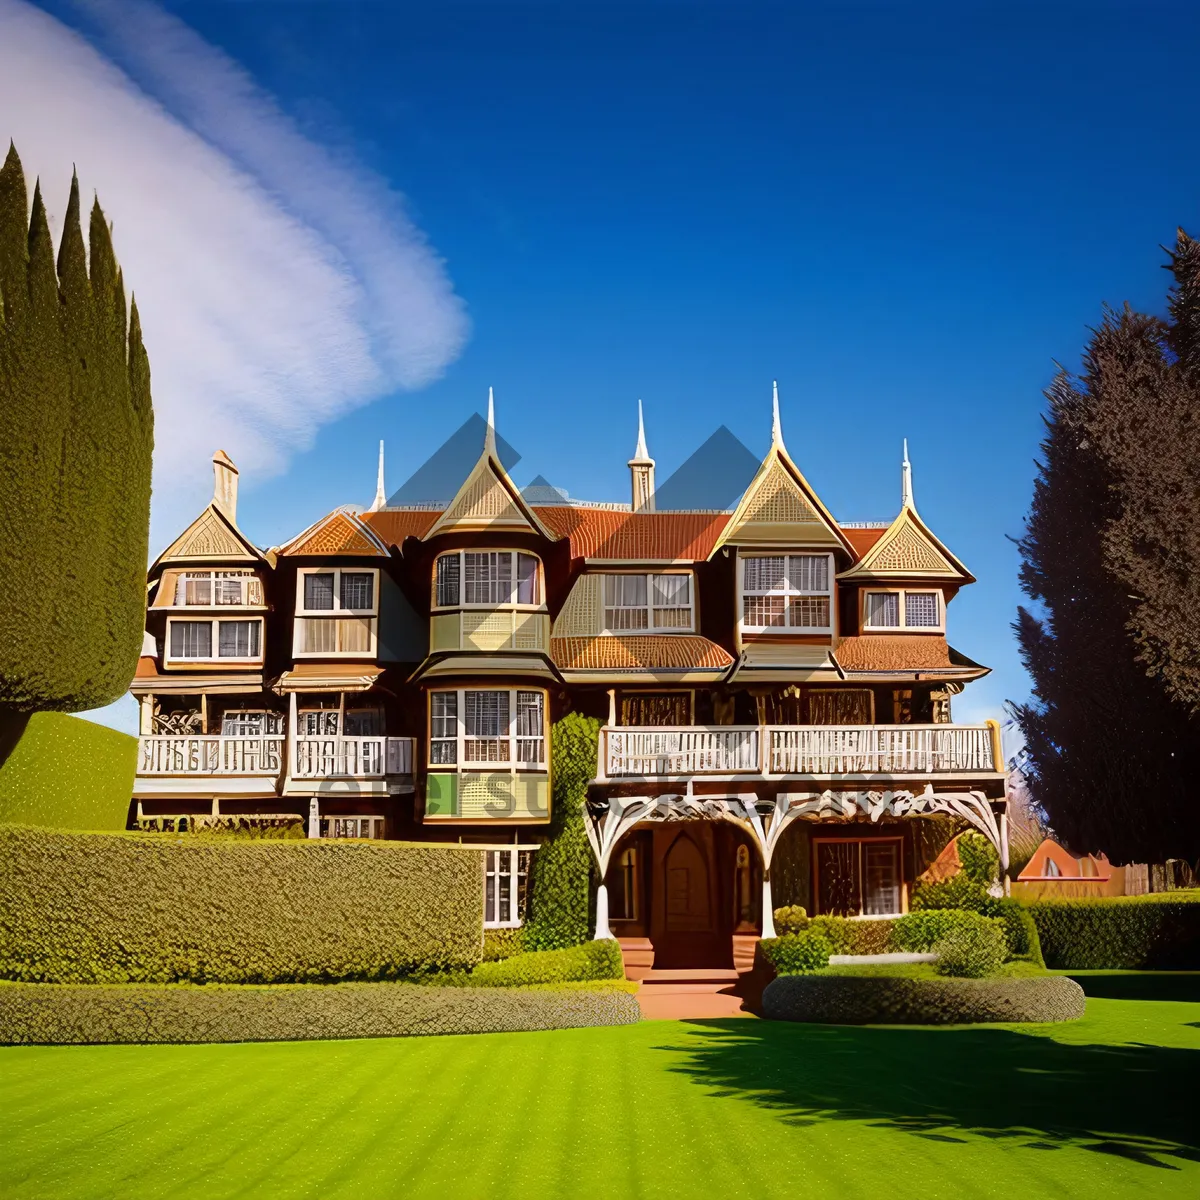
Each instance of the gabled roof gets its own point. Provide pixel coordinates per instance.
(395, 525)
(885, 653)
(622, 536)
(211, 537)
(780, 506)
(340, 532)
(908, 549)
(488, 498)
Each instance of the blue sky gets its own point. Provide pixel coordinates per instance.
(902, 212)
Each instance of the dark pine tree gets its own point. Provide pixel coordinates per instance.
(1109, 751)
(76, 431)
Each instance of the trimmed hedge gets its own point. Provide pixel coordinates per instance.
(972, 950)
(1156, 932)
(962, 892)
(919, 931)
(847, 936)
(68, 773)
(49, 1014)
(149, 908)
(592, 960)
(560, 887)
(878, 1000)
(797, 953)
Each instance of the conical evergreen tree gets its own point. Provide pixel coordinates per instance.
(75, 443)
(1108, 750)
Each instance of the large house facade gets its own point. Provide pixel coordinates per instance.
(774, 691)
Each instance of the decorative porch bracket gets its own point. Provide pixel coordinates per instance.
(608, 821)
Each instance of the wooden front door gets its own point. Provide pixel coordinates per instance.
(688, 928)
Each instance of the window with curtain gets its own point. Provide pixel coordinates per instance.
(485, 726)
(883, 610)
(443, 728)
(786, 591)
(662, 601)
(191, 639)
(903, 609)
(238, 639)
(486, 579)
(479, 726)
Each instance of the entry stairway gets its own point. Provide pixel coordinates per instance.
(691, 993)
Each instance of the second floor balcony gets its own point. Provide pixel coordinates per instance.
(783, 751)
(351, 757)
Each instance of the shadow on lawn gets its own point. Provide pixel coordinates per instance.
(1143, 985)
(945, 1085)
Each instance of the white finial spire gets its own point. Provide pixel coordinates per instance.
(776, 428)
(641, 470)
(906, 492)
(489, 438)
(641, 454)
(380, 500)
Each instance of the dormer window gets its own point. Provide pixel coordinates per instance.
(487, 579)
(903, 609)
(787, 593)
(209, 589)
(642, 603)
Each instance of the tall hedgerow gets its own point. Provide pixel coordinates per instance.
(560, 889)
(76, 431)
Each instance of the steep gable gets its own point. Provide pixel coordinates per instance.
(211, 536)
(338, 533)
(908, 550)
(488, 499)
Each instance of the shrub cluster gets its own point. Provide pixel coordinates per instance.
(501, 943)
(49, 1014)
(560, 886)
(847, 936)
(919, 932)
(591, 960)
(871, 1000)
(148, 908)
(978, 858)
(972, 950)
(962, 892)
(1155, 932)
(792, 918)
(797, 953)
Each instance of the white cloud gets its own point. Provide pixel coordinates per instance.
(279, 284)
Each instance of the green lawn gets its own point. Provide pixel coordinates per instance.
(1104, 1107)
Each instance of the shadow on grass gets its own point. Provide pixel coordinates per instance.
(950, 1085)
(1142, 985)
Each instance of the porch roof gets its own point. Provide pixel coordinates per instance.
(327, 677)
(149, 680)
(641, 654)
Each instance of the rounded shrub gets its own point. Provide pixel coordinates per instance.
(592, 960)
(792, 918)
(884, 1000)
(971, 950)
(848, 936)
(918, 932)
(797, 953)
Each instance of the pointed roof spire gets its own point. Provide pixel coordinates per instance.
(380, 500)
(906, 492)
(776, 429)
(641, 454)
(489, 438)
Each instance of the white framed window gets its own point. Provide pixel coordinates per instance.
(336, 613)
(903, 608)
(488, 727)
(487, 579)
(324, 590)
(787, 592)
(214, 639)
(216, 589)
(250, 722)
(638, 603)
(506, 878)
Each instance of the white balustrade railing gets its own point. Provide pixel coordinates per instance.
(351, 757)
(797, 750)
(195, 754)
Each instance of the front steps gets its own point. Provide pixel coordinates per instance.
(693, 993)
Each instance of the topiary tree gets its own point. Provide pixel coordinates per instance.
(76, 432)
(560, 887)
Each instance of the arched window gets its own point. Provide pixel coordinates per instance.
(743, 891)
(623, 887)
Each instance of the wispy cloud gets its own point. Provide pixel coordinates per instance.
(280, 283)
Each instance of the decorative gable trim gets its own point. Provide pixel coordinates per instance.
(908, 550)
(340, 532)
(488, 499)
(213, 537)
(781, 508)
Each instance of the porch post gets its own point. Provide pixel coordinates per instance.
(602, 930)
(314, 818)
(768, 910)
(1004, 879)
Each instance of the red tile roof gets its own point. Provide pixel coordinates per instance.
(893, 652)
(615, 534)
(394, 525)
(642, 652)
(863, 539)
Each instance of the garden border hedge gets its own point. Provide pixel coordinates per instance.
(1154, 932)
(882, 1000)
(74, 1014)
(159, 908)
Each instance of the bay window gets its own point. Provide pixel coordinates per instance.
(635, 603)
(903, 608)
(488, 727)
(209, 589)
(212, 639)
(487, 579)
(336, 613)
(791, 592)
